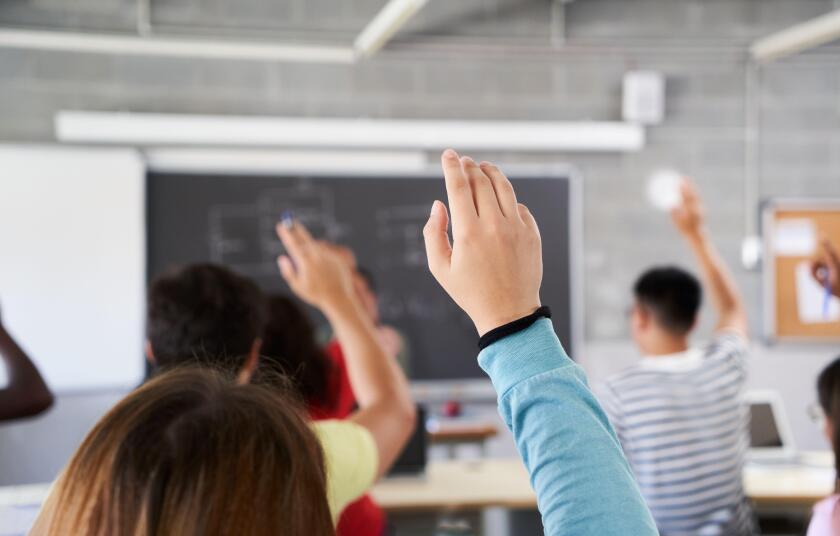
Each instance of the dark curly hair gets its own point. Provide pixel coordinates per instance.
(204, 313)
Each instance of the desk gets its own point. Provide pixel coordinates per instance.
(451, 485)
(453, 435)
(474, 485)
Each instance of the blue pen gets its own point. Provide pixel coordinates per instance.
(288, 219)
(826, 279)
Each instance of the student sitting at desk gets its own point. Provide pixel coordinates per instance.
(193, 453)
(209, 315)
(26, 394)
(493, 270)
(826, 518)
(678, 412)
(290, 349)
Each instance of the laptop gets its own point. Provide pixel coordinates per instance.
(412, 460)
(770, 434)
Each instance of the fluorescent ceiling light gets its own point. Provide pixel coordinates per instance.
(173, 47)
(273, 161)
(233, 131)
(798, 38)
(385, 24)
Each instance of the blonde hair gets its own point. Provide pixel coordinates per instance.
(192, 453)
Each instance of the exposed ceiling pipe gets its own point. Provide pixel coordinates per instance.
(172, 46)
(385, 24)
(797, 38)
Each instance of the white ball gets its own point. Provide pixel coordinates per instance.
(663, 189)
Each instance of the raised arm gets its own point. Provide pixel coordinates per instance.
(27, 394)
(318, 275)
(583, 483)
(825, 266)
(689, 221)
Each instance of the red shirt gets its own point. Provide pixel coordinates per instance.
(362, 517)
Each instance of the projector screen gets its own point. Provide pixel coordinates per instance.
(72, 275)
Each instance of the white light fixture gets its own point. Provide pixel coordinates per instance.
(798, 38)
(273, 160)
(385, 24)
(236, 131)
(172, 46)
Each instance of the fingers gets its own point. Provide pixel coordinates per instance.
(484, 196)
(458, 190)
(438, 248)
(819, 271)
(503, 189)
(296, 239)
(287, 270)
(527, 218)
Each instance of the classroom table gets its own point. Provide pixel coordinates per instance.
(454, 435)
(473, 485)
(485, 483)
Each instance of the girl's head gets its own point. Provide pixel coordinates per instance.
(290, 349)
(192, 453)
(828, 391)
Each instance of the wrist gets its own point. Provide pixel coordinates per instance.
(339, 306)
(486, 324)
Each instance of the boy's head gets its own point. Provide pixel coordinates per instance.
(667, 300)
(206, 314)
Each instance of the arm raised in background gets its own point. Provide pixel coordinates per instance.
(825, 267)
(319, 275)
(26, 394)
(688, 218)
(493, 270)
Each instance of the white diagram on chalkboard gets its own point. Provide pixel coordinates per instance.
(243, 236)
(399, 228)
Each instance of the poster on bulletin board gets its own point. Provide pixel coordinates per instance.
(797, 306)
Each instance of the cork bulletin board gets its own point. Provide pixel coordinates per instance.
(796, 306)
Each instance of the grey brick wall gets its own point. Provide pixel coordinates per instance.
(491, 59)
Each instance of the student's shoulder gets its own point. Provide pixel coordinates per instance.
(351, 460)
(727, 343)
(616, 383)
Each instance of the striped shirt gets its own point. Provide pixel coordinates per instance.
(684, 430)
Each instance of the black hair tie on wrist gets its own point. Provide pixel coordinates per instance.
(513, 327)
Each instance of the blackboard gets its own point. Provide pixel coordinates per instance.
(230, 219)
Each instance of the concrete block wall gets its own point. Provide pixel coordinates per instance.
(493, 59)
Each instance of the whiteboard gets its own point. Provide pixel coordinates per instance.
(72, 262)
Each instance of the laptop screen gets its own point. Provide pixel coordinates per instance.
(764, 428)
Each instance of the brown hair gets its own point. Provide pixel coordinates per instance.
(828, 392)
(192, 453)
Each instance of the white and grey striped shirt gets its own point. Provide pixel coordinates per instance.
(684, 429)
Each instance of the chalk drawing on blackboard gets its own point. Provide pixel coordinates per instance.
(243, 236)
(400, 230)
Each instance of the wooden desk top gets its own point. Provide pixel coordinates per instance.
(459, 484)
(463, 434)
(477, 484)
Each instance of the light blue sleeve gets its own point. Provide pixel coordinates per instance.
(583, 483)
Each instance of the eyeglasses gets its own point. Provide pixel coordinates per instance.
(816, 413)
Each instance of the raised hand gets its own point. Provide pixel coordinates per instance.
(314, 270)
(688, 215)
(825, 267)
(493, 267)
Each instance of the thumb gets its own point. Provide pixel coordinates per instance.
(438, 249)
(287, 269)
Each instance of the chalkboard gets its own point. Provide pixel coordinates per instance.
(230, 219)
